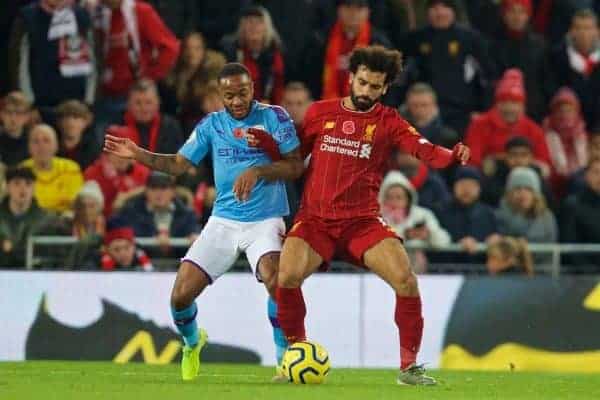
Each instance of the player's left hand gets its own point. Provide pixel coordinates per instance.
(461, 153)
(244, 184)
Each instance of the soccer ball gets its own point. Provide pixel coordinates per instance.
(306, 362)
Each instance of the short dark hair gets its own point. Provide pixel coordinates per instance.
(585, 13)
(19, 173)
(232, 69)
(518, 141)
(377, 59)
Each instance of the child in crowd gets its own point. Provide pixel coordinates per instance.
(15, 117)
(509, 256)
(121, 252)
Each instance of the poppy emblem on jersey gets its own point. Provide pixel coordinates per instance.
(369, 133)
(348, 127)
(238, 133)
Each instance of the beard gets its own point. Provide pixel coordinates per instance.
(363, 103)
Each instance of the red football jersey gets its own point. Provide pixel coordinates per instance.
(349, 151)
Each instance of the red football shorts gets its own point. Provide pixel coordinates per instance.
(348, 239)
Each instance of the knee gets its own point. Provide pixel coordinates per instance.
(406, 283)
(289, 277)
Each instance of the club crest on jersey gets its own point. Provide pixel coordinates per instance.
(348, 127)
(369, 133)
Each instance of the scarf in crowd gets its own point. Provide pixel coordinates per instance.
(566, 137)
(74, 55)
(584, 64)
(335, 54)
(131, 123)
(103, 16)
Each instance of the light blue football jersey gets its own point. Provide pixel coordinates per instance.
(222, 136)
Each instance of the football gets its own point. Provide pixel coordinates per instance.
(306, 362)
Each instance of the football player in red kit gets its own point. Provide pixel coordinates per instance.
(350, 141)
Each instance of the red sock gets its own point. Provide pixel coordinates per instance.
(291, 311)
(409, 320)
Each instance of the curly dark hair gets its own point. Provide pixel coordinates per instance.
(377, 59)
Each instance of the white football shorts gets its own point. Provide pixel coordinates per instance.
(222, 240)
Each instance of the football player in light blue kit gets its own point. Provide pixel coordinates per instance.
(251, 201)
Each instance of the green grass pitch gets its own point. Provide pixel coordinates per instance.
(85, 380)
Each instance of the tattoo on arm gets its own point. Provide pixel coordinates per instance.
(289, 168)
(173, 164)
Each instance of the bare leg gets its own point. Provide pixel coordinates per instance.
(389, 260)
(189, 283)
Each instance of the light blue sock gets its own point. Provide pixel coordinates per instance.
(281, 343)
(185, 321)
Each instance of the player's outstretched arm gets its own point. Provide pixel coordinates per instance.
(290, 167)
(174, 164)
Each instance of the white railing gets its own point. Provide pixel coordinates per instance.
(555, 249)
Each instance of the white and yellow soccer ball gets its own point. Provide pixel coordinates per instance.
(306, 362)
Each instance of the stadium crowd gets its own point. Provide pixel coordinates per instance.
(518, 81)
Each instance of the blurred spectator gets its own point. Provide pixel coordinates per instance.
(119, 178)
(52, 53)
(488, 133)
(576, 63)
(516, 46)
(420, 8)
(88, 226)
(552, 17)
(150, 128)
(577, 180)
(327, 12)
(519, 153)
(465, 217)
(184, 89)
(180, 16)
(484, 16)
(523, 212)
(121, 252)
(509, 256)
(296, 100)
(423, 112)
(78, 141)
(398, 202)
(159, 213)
(566, 137)
(580, 216)
(431, 187)
(295, 21)
(218, 18)
(454, 60)
(57, 179)
(20, 217)
(326, 56)
(134, 43)
(15, 115)
(8, 12)
(257, 45)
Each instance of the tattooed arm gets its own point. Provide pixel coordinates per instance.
(174, 164)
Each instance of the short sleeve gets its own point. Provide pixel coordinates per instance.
(198, 144)
(284, 130)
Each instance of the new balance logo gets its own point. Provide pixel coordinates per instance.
(365, 151)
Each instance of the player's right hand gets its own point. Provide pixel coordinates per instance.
(119, 146)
